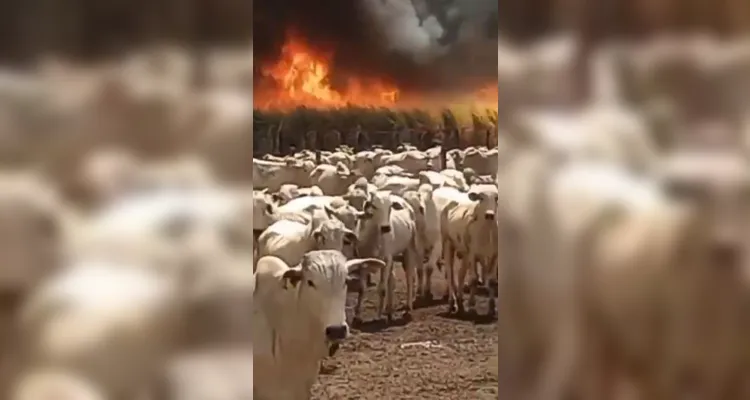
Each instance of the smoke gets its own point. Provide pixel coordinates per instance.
(421, 45)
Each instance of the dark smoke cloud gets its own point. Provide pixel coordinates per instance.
(384, 38)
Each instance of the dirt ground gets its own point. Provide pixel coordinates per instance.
(432, 356)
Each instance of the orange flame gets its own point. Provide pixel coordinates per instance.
(488, 94)
(302, 77)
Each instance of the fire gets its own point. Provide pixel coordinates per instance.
(301, 76)
(488, 94)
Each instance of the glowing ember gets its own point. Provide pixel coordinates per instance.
(301, 77)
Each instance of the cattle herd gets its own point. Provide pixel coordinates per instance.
(325, 222)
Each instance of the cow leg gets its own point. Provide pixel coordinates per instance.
(491, 285)
(474, 286)
(449, 259)
(430, 266)
(382, 286)
(360, 295)
(415, 256)
(420, 282)
(462, 271)
(390, 287)
(410, 261)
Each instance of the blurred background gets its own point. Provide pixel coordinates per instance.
(102, 101)
(606, 103)
(155, 77)
(692, 53)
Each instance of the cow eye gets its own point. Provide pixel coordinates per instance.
(310, 283)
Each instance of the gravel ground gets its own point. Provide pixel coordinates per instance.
(431, 356)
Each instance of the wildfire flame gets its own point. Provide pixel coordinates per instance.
(301, 76)
(488, 94)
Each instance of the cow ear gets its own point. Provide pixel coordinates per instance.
(366, 265)
(293, 276)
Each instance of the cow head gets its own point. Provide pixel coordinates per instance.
(486, 204)
(331, 233)
(378, 208)
(321, 284)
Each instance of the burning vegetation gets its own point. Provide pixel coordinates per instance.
(301, 76)
(392, 53)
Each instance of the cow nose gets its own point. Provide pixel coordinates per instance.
(489, 216)
(385, 229)
(338, 332)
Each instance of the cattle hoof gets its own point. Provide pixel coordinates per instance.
(356, 321)
(452, 309)
(407, 316)
(389, 318)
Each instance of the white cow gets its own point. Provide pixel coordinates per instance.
(443, 178)
(470, 233)
(333, 180)
(271, 174)
(428, 225)
(290, 240)
(298, 319)
(397, 184)
(386, 229)
(334, 205)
